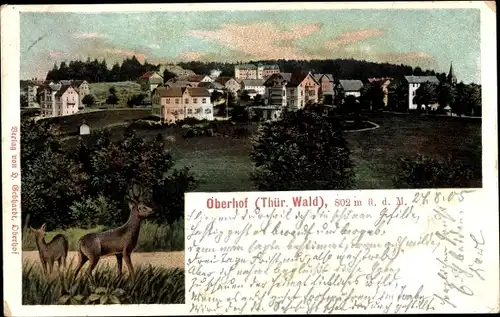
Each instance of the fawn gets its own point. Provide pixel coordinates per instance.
(119, 242)
(55, 250)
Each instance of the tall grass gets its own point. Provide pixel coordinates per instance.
(151, 285)
(152, 238)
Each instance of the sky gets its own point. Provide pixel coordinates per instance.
(431, 39)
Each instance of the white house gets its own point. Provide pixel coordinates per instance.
(84, 129)
(82, 87)
(414, 83)
(351, 87)
(59, 100)
(178, 103)
(32, 90)
(254, 84)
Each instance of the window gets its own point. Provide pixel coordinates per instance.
(208, 111)
(195, 100)
(167, 101)
(204, 100)
(177, 100)
(186, 100)
(190, 111)
(302, 93)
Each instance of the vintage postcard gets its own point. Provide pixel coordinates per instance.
(257, 158)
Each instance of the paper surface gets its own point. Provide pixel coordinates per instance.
(325, 252)
(339, 252)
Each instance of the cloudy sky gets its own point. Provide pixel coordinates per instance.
(425, 38)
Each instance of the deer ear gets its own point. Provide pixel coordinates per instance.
(43, 226)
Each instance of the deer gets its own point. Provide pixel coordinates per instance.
(55, 250)
(119, 242)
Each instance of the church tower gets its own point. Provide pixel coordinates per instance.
(452, 79)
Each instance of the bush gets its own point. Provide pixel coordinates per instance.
(240, 114)
(423, 172)
(152, 285)
(153, 237)
(88, 100)
(95, 211)
(190, 121)
(136, 100)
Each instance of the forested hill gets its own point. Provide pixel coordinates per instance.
(132, 69)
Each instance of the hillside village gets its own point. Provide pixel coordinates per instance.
(257, 87)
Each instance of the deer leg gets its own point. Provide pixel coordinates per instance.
(119, 264)
(82, 259)
(128, 261)
(44, 266)
(50, 266)
(93, 263)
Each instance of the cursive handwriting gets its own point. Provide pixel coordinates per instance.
(311, 258)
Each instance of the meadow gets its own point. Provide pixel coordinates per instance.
(151, 285)
(223, 163)
(124, 90)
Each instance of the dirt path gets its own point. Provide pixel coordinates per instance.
(163, 259)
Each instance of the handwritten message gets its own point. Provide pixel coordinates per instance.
(333, 252)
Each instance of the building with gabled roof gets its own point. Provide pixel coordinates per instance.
(150, 80)
(178, 103)
(414, 83)
(59, 100)
(351, 87)
(294, 90)
(251, 71)
(254, 84)
(231, 84)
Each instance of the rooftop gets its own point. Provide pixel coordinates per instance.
(253, 82)
(179, 91)
(421, 79)
(246, 66)
(351, 84)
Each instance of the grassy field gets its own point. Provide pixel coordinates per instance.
(151, 285)
(223, 164)
(97, 119)
(124, 90)
(152, 237)
(375, 152)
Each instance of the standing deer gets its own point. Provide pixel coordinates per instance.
(119, 242)
(55, 250)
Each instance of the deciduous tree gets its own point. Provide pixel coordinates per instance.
(302, 151)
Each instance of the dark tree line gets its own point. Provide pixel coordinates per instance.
(131, 69)
(98, 71)
(340, 68)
